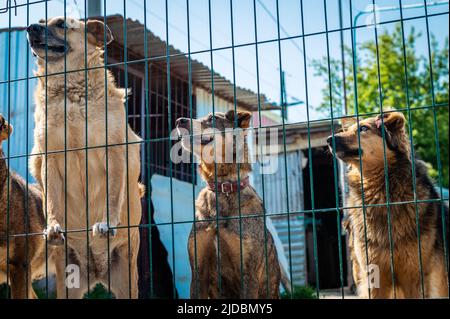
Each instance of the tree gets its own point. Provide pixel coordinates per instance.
(395, 92)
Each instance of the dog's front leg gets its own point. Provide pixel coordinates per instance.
(252, 281)
(53, 185)
(202, 258)
(18, 274)
(117, 192)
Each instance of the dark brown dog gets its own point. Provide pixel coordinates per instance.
(246, 272)
(405, 254)
(26, 257)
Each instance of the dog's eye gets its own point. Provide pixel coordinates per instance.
(363, 128)
(61, 24)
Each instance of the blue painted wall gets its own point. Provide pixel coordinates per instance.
(16, 97)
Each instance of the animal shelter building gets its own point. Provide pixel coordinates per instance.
(195, 90)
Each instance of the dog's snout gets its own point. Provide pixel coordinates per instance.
(337, 140)
(182, 122)
(35, 32)
(35, 28)
(330, 140)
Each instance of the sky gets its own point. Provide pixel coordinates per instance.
(243, 17)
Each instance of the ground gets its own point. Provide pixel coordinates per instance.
(337, 294)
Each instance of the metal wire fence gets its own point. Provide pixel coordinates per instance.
(327, 227)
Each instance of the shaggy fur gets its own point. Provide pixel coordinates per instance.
(86, 194)
(228, 236)
(25, 259)
(406, 260)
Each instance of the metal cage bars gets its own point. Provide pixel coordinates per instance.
(211, 50)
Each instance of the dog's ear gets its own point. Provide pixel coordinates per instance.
(5, 129)
(346, 122)
(394, 124)
(98, 30)
(243, 118)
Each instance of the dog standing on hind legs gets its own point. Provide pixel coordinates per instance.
(70, 101)
(260, 276)
(405, 243)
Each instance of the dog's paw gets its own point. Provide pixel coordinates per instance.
(101, 230)
(54, 235)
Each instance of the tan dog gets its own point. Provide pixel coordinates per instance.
(259, 276)
(97, 199)
(403, 216)
(25, 260)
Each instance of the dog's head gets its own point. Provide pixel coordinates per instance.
(218, 137)
(371, 140)
(5, 129)
(57, 37)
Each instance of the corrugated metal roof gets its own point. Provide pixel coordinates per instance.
(292, 132)
(200, 73)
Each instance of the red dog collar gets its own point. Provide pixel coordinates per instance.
(229, 187)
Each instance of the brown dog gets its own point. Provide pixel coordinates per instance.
(405, 255)
(21, 229)
(102, 190)
(243, 273)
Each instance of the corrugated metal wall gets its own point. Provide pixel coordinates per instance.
(17, 96)
(276, 202)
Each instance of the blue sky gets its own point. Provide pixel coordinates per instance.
(244, 34)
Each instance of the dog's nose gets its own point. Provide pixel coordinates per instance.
(337, 140)
(35, 28)
(330, 140)
(182, 122)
